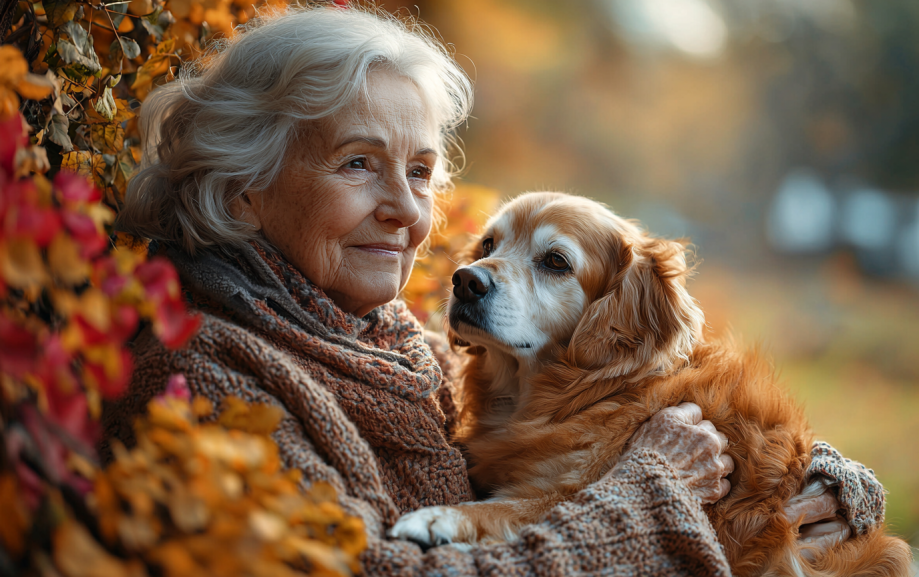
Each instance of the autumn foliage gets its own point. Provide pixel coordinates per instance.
(191, 498)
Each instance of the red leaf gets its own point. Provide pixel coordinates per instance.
(124, 323)
(84, 231)
(112, 383)
(159, 278)
(75, 188)
(91, 335)
(55, 368)
(70, 410)
(39, 224)
(18, 348)
(173, 325)
(177, 388)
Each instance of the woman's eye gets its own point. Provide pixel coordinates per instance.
(555, 262)
(423, 172)
(488, 245)
(357, 164)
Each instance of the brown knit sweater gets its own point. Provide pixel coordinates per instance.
(367, 409)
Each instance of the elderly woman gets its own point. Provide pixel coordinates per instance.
(292, 182)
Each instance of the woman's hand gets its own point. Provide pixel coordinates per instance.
(692, 446)
(821, 528)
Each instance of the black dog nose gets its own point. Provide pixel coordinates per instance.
(471, 283)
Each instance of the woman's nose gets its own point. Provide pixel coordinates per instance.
(399, 205)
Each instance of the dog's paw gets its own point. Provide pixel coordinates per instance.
(433, 526)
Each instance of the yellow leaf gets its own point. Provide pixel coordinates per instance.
(156, 65)
(9, 102)
(12, 65)
(86, 164)
(180, 8)
(140, 7)
(16, 516)
(108, 138)
(77, 554)
(258, 419)
(21, 263)
(188, 512)
(175, 559)
(320, 555)
(136, 533)
(78, 161)
(59, 12)
(34, 87)
(94, 307)
(65, 301)
(64, 259)
(267, 526)
(202, 407)
(123, 112)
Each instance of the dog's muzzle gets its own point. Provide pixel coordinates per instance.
(471, 284)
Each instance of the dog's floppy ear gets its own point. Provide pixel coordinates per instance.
(646, 320)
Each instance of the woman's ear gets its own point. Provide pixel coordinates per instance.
(246, 208)
(647, 320)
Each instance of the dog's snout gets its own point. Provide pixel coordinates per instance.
(471, 283)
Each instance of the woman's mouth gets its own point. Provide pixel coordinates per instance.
(386, 250)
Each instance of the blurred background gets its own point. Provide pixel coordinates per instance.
(781, 136)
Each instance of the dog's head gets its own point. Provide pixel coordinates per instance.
(559, 277)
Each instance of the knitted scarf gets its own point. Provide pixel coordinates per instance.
(379, 368)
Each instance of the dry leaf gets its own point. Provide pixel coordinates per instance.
(65, 262)
(77, 554)
(21, 264)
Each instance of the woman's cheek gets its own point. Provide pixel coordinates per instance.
(407, 263)
(420, 231)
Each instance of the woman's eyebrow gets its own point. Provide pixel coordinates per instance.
(380, 143)
(371, 140)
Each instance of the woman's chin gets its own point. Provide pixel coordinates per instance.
(366, 292)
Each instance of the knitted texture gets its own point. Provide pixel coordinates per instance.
(366, 410)
(860, 493)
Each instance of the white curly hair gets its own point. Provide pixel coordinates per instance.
(225, 125)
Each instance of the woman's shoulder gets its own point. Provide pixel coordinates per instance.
(218, 351)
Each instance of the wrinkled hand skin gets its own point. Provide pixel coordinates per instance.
(821, 528)
(692, 446)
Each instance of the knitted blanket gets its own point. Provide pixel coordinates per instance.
(367, 409)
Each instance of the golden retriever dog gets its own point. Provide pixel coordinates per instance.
(578, 327)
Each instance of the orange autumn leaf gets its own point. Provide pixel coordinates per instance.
(77, 554)
(224, 512)
(21, 264)
(65, 262)
(16, 516)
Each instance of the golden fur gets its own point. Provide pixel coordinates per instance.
(542, 424)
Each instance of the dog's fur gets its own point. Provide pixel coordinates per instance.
(564, 366)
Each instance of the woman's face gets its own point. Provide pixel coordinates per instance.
(353, 201)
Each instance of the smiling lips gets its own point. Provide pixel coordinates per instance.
(383, 249)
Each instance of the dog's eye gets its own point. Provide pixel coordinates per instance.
(555, 262)
(488, 245)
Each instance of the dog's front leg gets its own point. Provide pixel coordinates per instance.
(490, 521)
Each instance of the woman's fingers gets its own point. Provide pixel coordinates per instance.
(812, 509)
(689, 413)
(725, 488)
(692, 446)
(722, 438)
(820, 537)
